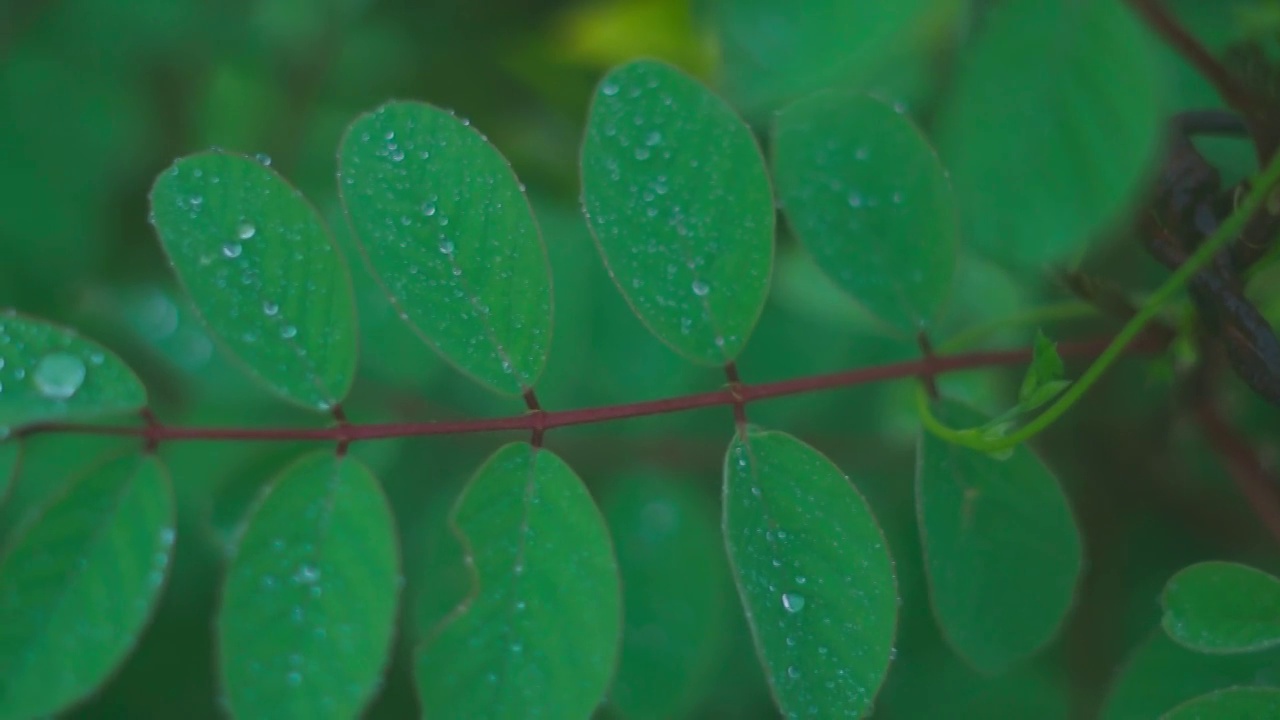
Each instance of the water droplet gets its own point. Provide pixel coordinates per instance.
(429, 209)
(446, 246)
(653, 138)
(231, 250)
(245, 230)
(700, 288)
(294, 678)
(793, 672)
(609, 89)
(397, 155)
(642, 153)
(793, 602)
(288, 331)
(263, 158)
(307, 574)
(59, 375)
(270, 308)
(855, 199)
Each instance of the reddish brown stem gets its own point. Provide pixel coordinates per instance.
(542, 420)
(1247, 471)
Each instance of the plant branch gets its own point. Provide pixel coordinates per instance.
(1243, 464)
(155, 432)
(1257, 111)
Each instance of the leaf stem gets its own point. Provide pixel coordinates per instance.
(548, 419)
(1177, 281)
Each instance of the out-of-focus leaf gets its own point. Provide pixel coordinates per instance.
(1047, 144)
(79, 583)
(675, 587)
(1241, 703)
(867, 195)
(1002, 549)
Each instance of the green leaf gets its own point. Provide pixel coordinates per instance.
(679, 202)
(776, 49)
(447, 230)
(1047, 144)
(1162, 674)
(10, 460)
(309, 606)
(1002, 549)
(79, 584)
(49, 372)
(675, 586)
(1222, 607)
(263, 272)
(1240, 703)
(867, 195)
(1044, 376)
(814, 574)
(538, 637)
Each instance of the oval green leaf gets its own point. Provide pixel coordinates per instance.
(79, 584)
(1047, 144)
(446, 228)
(1222, 607)
(1161, 674)
(263, 272)
(814, 574)
(866, 193)
(1241, 703)
(49, 372)
(309, 606)
(538, 636)
(679, 202)
(675, 586)
(1002, 550)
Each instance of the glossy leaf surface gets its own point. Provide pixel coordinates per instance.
(309, 605)
(263, 272)
(814, 574)
(1241, 703)
(1002, 550)
(447, 230)
(867, 195)
(49, 372)
(1047, 144)
(79, 583)
(1222, 607)
(538, 636)
(680, 204)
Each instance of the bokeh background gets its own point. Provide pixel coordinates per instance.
(99, 96)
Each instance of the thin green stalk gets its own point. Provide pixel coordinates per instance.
(1233, 226)
(1067, 310)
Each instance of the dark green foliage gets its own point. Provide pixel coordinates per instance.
(717, 237)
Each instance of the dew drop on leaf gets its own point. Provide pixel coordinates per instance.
(793, 602)
(59, 375)
(700, 288)
(245, 230)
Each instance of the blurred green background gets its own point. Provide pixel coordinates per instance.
(98, 96)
